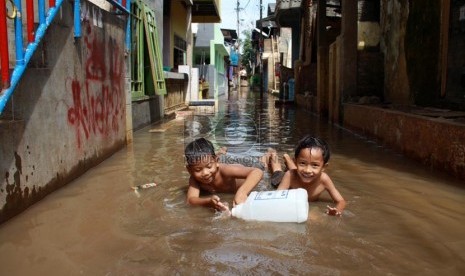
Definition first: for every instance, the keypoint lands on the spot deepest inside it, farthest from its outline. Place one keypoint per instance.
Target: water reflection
(401, 218)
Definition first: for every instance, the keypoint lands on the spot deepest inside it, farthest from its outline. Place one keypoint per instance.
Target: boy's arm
(289, 162)
(251, 176)
(193, 194)
(335, 195)
(285, 182)
(194, 199)
(291, 167)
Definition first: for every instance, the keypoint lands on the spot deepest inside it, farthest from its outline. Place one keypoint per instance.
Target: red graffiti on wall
(95, 65)
(98, 107)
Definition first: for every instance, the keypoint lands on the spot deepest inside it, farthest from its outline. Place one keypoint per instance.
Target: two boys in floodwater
(306, 170)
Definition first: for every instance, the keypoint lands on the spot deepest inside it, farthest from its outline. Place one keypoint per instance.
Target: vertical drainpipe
(129, 126)
(19, 35)
(41, 12)
(5, 62)
(77, 18)
(128, 26)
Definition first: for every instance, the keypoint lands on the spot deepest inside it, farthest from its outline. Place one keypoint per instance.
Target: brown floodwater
(401, 218)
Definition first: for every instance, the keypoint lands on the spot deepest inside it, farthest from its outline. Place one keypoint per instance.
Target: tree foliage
(248, 52)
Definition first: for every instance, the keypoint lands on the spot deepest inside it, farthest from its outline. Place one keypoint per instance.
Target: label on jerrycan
(267, 195)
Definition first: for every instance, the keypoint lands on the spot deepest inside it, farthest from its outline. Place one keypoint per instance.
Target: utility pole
(238, 78)
(238, 20)
(261, 46)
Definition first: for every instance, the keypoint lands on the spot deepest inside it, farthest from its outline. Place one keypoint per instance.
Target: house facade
(74, 96)
(209, 57)
(390, 70)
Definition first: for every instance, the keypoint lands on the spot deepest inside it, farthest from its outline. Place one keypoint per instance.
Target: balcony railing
(45, 13)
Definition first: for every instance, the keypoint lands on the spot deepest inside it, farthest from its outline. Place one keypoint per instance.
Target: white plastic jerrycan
(275, 206)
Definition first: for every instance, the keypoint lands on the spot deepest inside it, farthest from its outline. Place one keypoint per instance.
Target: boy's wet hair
(198, 150)
(311, 142)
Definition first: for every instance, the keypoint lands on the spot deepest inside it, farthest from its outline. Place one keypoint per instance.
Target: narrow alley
(99, 97)
(97, 225)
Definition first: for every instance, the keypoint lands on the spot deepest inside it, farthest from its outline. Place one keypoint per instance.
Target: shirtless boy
(208, 175)
(307, 171)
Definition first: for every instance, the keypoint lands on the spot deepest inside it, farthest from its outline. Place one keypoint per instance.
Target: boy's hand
(239, 198)
(333, 211)
(217, 204)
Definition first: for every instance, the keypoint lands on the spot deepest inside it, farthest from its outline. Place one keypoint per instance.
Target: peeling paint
(18, 200)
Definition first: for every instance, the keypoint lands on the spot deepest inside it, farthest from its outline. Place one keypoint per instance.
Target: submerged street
(401, 218)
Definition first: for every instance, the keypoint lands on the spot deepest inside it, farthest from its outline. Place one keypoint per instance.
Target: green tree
(248, 52)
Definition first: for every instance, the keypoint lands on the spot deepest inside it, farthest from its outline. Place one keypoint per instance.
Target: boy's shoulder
(325, 177)
(325, 180)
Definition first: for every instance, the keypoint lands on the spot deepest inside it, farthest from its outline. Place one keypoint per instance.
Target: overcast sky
(248, 14)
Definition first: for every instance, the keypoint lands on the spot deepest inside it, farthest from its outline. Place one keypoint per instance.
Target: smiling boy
(307, 171)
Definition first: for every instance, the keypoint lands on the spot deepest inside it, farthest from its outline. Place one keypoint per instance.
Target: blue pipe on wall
(19, 35)
(19, 69)
(128, 27)
(44, 23)
(41, 8)
(77, 18)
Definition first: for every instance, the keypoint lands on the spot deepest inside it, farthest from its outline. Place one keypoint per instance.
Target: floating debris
(157, 130)
(144, 186)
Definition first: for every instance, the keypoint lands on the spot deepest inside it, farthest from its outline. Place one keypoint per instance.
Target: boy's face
(310, 164)
(204, 170)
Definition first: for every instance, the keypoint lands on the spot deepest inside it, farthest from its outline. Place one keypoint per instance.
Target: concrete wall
(394, 15)
(222, 84)
(147, 111)
(67, 116)
(410, 42)
(435, 142)
(157, 7)
(179, 25)
(285, 40)
(192, 86)
(210, 42)
(205, 33)
(211, 78)
(456, 55)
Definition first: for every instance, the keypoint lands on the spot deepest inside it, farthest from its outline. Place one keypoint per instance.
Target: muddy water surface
(401, 218)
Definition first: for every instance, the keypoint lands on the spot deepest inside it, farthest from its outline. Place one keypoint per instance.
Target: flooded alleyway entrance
(400, 219)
